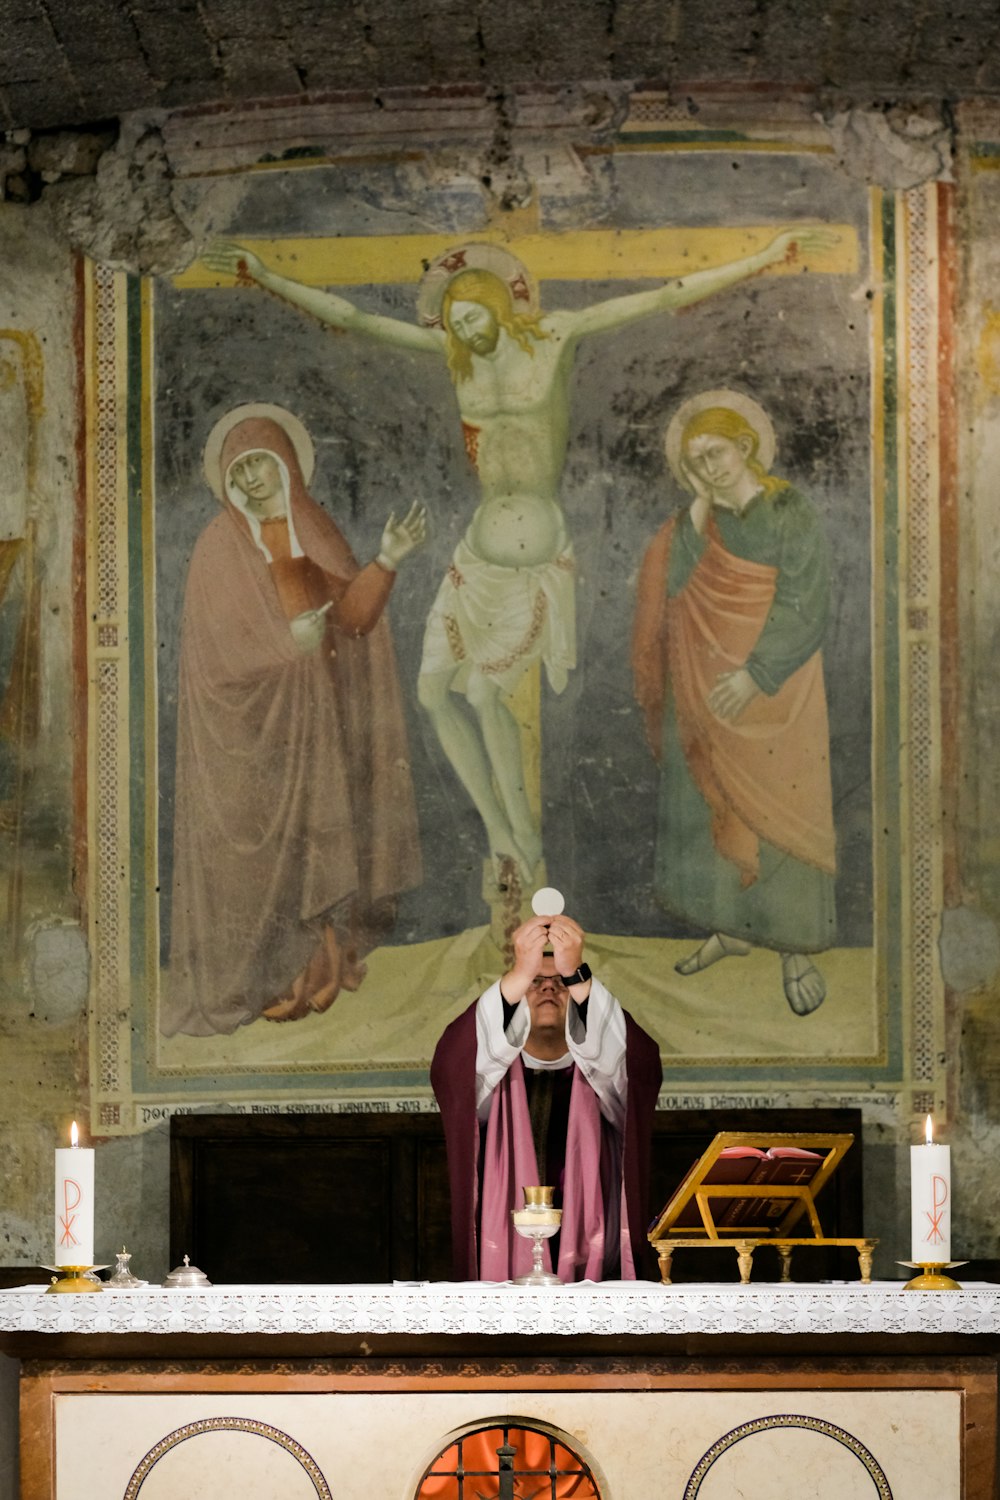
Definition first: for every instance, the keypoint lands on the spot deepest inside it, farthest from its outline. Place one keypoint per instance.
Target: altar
(407, 1392)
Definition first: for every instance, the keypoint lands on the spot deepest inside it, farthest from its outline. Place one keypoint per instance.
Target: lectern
(753, 1188)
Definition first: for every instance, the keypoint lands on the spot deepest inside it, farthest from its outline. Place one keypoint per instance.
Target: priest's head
(548, 999)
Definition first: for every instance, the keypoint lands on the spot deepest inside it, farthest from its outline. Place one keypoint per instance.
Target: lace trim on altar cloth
(442, 1307)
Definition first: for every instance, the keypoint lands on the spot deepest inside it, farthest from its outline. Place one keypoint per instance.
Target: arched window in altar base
(512, 1460)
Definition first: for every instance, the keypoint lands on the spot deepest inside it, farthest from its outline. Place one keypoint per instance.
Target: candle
(930, 1201)
(74, 1204)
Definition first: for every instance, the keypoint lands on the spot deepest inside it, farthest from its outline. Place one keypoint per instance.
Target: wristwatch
(582, 974)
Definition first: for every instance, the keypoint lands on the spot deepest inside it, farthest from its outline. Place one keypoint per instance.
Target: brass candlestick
(537, 1221)
(75, 1279)
(933, 1277)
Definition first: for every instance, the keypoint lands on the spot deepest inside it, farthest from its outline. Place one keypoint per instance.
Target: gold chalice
(537, 1221)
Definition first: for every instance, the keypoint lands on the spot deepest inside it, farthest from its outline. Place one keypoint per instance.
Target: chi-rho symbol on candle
(74, 1203)
(930, 1201)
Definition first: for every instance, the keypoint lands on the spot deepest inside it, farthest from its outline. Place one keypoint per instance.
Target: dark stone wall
(72, 61)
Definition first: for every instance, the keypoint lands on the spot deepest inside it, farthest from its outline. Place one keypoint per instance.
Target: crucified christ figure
(507, 599)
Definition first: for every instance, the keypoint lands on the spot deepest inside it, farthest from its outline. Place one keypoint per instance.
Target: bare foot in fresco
(323, 973)
(290, 1008)
(712, 949)
(318, 985)
(805, 987)
(322, 1000)
(353, 973)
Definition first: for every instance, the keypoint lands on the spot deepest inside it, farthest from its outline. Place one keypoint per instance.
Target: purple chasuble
(605, 1185)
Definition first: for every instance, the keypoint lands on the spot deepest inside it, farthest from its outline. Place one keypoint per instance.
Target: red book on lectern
(733, 1164)
(782, 1164)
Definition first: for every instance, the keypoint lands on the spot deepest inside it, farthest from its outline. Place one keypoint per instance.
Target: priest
(546, 1080)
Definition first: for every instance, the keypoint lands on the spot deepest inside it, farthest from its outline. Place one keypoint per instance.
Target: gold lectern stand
(761, 1212)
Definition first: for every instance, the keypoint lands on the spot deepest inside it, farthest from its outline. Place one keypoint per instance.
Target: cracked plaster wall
(43, 988)
(114, 195)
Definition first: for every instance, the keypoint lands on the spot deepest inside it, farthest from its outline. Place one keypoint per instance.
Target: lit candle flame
(929, 1132)
(74, 1135)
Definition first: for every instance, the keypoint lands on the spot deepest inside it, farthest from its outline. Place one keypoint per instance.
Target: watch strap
(583, 973)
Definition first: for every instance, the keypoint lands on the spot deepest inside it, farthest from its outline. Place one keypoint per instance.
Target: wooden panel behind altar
(364, 1198)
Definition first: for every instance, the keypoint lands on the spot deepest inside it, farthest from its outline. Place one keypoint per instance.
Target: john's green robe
(788, 902)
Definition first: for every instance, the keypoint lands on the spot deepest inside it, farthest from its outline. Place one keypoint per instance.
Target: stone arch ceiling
(70, 62)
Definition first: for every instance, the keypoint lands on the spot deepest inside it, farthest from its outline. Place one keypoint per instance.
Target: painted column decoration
(74, 1203)
(930, 1201)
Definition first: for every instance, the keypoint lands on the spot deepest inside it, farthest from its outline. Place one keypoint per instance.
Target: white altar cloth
(611, 1308)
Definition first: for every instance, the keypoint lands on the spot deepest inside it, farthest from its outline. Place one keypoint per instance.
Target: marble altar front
(693, 1392)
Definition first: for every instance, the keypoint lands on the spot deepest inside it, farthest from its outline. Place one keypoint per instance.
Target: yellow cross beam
(580, 255)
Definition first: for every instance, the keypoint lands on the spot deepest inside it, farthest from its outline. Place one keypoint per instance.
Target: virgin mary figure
(295, 824)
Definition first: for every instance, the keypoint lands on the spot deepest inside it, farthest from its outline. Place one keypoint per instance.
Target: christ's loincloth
(498, 620)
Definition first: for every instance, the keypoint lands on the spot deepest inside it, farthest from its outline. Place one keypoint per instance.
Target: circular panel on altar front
(228, 1456)
(775, 1457)
(543, 1462)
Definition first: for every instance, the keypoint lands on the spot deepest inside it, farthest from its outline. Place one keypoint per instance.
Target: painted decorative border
(771, 1424)
(108, 760)
(228, 1424)
(919, 627)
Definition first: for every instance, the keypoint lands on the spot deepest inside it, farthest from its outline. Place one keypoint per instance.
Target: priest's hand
(530, 941)
(567, 939)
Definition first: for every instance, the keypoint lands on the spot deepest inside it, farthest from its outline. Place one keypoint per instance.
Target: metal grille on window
(504, 1462)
